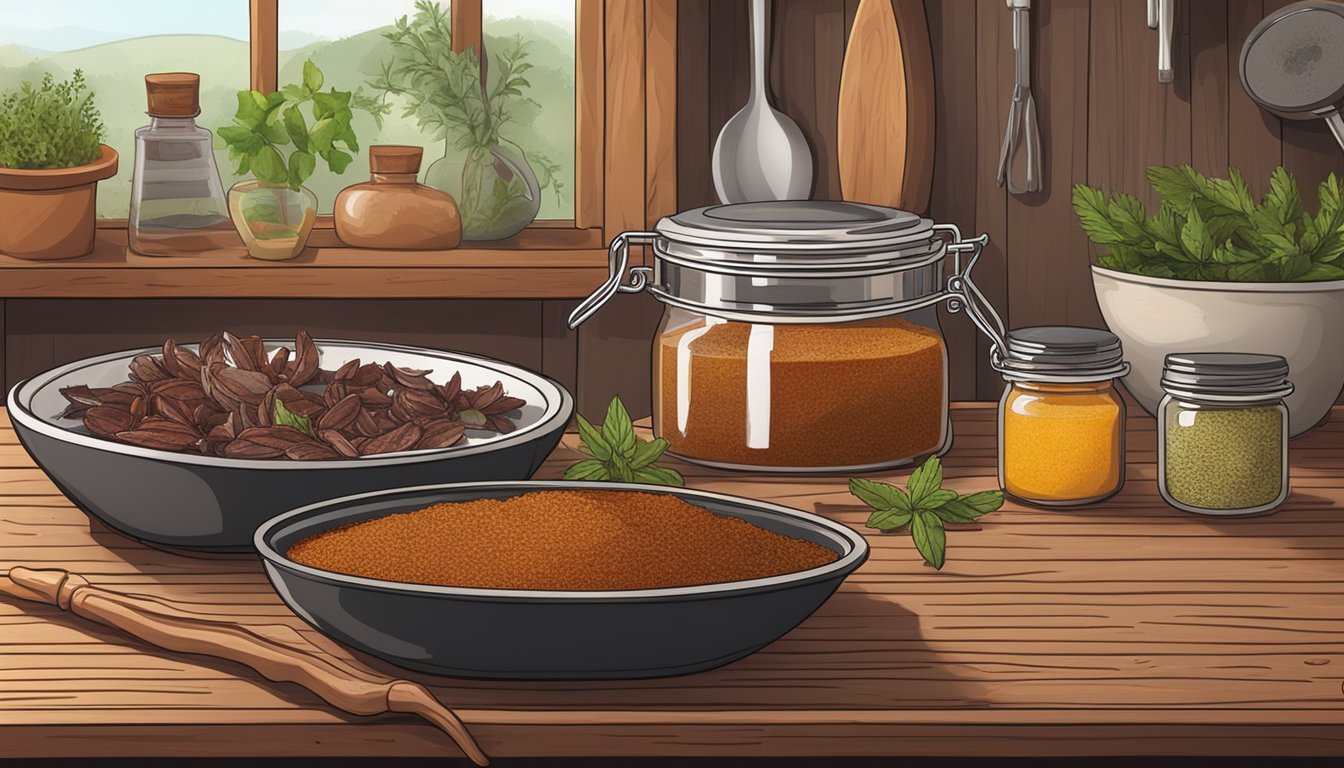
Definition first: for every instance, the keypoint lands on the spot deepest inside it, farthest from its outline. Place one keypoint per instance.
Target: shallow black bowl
(211, 503)
(534, 634)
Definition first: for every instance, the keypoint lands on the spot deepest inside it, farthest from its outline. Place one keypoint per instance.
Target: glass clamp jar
(1061, 420)
(800, 336)
(1222, 445)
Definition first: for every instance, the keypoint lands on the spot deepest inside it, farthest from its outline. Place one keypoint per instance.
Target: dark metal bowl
(536, 634)
(211, 503)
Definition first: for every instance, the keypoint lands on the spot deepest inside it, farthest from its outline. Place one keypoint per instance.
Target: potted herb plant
(463, 103)
(271, 139)
(1213, 270)
(51, 160)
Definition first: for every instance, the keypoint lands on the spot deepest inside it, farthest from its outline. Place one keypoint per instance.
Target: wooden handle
(345, 686)
(885, 123)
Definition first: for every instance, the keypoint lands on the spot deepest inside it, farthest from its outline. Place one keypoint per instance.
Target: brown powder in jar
(560, 540)
(841, 395)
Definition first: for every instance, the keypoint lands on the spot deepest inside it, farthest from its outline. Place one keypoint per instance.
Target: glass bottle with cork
(177, 201)
(1061, 420)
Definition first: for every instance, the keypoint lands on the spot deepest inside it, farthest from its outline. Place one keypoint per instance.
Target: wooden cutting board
(886, 112)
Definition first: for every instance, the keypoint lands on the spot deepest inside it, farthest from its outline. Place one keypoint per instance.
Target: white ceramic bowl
(1303, 322)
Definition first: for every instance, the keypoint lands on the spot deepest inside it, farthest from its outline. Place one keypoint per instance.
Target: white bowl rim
(858, 546)
(1317, 286)
(559, 408)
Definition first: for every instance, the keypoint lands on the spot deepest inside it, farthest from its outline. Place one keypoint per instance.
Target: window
(60, 36)
(592, 64)
(345, 38)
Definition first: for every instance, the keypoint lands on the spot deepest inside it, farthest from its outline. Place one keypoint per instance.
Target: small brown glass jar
(392, 211)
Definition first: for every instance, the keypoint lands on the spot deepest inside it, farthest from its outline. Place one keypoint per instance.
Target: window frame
(625, 117)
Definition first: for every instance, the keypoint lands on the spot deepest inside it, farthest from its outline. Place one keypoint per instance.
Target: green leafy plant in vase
(457, 98)
(271, 139)
(51, 160)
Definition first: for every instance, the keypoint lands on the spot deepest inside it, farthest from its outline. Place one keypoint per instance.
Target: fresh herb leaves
(1212, 229)
(266, 123)
(49, 125)
(618, 454)
(287, 418)
(924, 506)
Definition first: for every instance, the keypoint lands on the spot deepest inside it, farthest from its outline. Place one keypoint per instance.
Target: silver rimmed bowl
(540, 634)
(211, 503)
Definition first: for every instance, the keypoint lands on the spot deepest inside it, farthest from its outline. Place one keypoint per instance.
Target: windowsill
(540, 262)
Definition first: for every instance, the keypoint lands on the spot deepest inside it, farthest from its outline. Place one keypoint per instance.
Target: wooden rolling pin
(275, 652)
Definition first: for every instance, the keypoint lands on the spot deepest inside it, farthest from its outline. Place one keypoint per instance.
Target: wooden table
(1121, 628)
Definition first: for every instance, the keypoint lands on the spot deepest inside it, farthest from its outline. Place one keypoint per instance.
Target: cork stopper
(173, 94)
(394, 158)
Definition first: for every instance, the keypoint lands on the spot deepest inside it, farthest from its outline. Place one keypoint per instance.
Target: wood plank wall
(1103, 118)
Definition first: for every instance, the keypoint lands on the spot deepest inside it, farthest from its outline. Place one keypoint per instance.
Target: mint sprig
(618, 454)
(924, 506)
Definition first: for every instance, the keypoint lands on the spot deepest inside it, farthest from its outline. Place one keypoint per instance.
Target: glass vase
(273, 219)
(495, 188)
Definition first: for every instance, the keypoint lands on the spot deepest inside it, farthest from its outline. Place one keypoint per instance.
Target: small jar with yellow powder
(1061, 420)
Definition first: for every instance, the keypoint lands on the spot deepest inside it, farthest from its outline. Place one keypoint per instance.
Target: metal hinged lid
(812, 232)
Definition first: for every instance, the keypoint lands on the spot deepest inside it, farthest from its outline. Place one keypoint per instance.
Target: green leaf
(620, 469)
(301, 166)
(322, 134)
(1195, 241)
(337, 160)
(983, 502)
(888, 519)
(241, 139)
(1323, 272)
(957, 511)
(618, 430)
(312, 76)
(878, 495)
(647, 452)
(295, 94)
(251, 109)
(925, 480)
(269, 167)
(592, 439)
(659, 476)
(296, 128)
(1179, 185)
(287, 418)
(937, 499)
(1094, 216)
(588, 469)
(926, 529)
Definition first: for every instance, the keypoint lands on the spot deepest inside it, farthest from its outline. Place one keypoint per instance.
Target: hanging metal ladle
(1293, 63)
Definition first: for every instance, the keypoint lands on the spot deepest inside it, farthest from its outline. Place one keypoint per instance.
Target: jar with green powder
(1223, 433)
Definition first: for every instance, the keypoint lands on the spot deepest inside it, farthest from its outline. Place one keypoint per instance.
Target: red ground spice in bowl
(580, 540)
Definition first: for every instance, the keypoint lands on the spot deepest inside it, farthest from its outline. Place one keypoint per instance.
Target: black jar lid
(1061, 353)
(1225, 373)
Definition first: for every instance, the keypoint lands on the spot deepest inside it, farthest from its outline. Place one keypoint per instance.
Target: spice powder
(1062, 443)
(801, 395)
(560, 540)
(1224, 458)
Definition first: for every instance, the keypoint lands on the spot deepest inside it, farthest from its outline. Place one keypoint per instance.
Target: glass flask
(177, 200)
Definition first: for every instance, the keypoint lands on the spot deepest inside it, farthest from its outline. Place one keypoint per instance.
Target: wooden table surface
(1122, 628)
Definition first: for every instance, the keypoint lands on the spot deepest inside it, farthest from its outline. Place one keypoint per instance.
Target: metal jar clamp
(856, 290)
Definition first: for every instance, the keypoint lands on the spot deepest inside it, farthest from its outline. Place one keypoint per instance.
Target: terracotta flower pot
(49, 214)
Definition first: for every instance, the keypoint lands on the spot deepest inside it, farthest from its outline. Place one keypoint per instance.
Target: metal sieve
(1293, 63)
